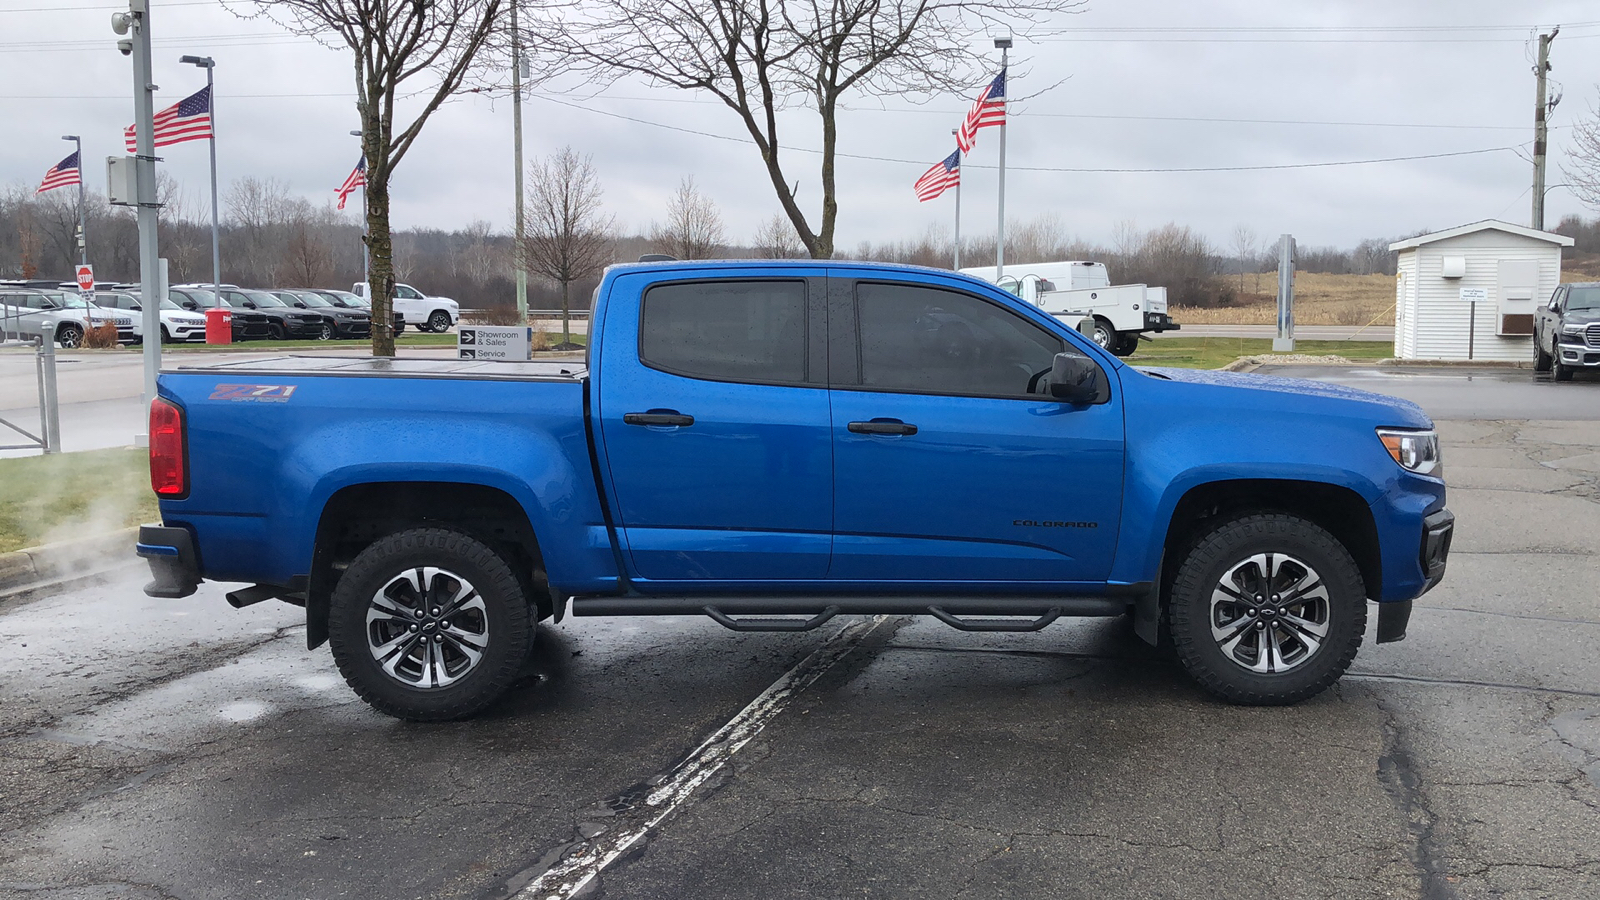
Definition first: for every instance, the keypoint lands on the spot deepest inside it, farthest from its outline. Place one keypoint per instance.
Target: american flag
(358, 178)
(945, 174)
(63, 174)
(989, 109)
(187, 120)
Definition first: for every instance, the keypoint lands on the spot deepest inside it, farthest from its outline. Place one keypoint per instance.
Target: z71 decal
(259, 393)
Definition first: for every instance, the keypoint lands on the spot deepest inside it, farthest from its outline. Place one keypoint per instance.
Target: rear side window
(753, 331)
(941, 342)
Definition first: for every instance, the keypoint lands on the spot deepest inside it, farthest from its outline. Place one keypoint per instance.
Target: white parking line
(567, 877)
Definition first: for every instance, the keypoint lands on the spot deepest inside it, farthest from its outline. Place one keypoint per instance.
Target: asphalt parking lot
(154, 749)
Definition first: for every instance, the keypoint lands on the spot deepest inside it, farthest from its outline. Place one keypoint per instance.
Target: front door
(713, 409)
(949, 466)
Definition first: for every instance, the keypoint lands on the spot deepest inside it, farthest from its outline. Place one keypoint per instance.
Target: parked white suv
(177, 323)
(422, 312)
(23, 313)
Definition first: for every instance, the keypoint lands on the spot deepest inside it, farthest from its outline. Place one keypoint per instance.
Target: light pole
(517, 64)
(207, 63)
(366, 252)
(83, 231)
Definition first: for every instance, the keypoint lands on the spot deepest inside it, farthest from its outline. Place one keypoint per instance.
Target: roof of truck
(621, 268)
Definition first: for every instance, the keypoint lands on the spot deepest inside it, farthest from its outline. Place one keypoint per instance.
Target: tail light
(169, 459)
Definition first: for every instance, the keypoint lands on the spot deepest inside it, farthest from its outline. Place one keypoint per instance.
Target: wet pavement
(184, 749)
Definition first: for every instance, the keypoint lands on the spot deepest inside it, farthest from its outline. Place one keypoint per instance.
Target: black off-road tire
(1209, 558)
(510, 626)
(1126, 344)
(439, 322)
(1541, 359)
(1558, 371)
(277, 332)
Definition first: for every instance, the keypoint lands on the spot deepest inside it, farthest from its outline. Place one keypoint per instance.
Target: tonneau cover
(408, 367)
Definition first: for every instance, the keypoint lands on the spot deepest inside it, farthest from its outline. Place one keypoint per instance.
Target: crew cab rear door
(947, 468)
(712, 404)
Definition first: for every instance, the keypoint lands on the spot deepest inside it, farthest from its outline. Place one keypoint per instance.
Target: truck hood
(1299, 392)
(1580, 317)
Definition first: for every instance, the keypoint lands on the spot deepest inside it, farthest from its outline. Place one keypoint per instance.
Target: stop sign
(86, 278)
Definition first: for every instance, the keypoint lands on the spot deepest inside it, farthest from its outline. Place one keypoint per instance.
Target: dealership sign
(494, 342)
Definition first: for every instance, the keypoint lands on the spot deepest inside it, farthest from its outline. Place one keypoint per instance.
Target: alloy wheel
(1269, 613)
(427, 628)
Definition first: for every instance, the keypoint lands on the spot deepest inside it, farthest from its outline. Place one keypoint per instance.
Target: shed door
(1519, 281)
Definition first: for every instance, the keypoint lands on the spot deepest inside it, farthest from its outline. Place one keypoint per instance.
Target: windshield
(204, 299)
(263, 299)
(311, 299)
(1586, 298)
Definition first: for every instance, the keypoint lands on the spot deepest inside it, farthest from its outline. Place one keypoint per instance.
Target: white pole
(958, 204)
(83, 221)
(1000, 241)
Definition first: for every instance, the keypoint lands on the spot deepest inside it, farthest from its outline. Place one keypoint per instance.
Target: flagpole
(1000, 242)
(957, 132)
(83, 227)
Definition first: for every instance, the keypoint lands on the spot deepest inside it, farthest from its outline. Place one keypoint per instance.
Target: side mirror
(1078, 380)
(250, 304)
(190, 304)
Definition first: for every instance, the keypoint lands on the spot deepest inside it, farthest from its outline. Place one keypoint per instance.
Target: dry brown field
(1319, 299)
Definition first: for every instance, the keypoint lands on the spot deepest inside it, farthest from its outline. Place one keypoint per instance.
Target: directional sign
(1474, 295)
(494, 342)
(86, 278)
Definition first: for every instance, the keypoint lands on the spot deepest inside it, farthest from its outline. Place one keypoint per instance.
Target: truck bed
(384, 367)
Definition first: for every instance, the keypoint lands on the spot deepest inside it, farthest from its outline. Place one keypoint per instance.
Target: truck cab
(1566, 331)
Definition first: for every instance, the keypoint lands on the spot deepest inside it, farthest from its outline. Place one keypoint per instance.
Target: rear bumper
(1158, 322)
(173, 564)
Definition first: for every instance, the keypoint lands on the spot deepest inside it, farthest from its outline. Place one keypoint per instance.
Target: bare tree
(693, 227)
(1582, 167)
(394, 41)
(775, 239)
(760, 56)
(567, 237)
(1244, 249)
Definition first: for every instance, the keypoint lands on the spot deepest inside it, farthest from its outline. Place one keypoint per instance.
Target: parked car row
(25, 312)
(425, 313)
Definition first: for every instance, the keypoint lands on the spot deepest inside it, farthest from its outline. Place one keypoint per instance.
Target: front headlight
(1572, 328)
(1415, 451)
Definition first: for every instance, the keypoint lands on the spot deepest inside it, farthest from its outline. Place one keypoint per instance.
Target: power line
(1064, 169)
(104, 7)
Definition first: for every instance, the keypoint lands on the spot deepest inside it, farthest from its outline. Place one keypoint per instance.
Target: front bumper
(350, 328)
(1581, 355)
(1158, 322)
(173, 563)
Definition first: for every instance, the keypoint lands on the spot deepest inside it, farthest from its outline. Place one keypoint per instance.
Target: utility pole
(1541, 126)
(83, 226)
(516, 142)
(207, 63)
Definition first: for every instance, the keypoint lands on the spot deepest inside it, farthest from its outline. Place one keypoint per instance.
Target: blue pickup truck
(771, 444)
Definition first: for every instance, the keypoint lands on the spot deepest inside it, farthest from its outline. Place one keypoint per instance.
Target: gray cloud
(461, 170)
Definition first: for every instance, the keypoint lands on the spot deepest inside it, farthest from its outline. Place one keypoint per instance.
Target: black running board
(967, 613)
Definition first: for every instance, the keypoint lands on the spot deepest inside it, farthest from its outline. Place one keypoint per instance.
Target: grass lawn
(70, 495)
(1216, 352)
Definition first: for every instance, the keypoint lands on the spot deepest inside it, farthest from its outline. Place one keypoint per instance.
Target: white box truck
(1074, 289)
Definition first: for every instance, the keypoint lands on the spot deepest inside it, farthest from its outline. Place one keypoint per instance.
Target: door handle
(881, 426)
(658, 417)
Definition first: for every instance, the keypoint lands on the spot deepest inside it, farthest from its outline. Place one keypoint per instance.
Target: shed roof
(1559, 240)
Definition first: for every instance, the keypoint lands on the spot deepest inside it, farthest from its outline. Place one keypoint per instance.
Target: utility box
(122, 183)
(1469, 292)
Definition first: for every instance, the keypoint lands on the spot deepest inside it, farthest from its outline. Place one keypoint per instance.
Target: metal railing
(44, 365)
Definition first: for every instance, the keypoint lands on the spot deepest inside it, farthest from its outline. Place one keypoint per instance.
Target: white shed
(1508, 268)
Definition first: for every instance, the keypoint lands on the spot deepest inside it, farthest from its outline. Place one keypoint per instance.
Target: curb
(65, 560)
(1459, 363)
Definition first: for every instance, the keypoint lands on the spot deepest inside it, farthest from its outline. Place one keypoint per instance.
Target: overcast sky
(1145, 84)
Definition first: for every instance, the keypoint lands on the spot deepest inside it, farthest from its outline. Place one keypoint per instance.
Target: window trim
(853, 301)
(807, 302)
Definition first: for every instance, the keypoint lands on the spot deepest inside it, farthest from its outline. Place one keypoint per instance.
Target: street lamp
(207, 63)
(1003, 44)
(83, 234)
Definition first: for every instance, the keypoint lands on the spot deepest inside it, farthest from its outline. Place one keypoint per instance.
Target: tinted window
(729, 331)
(1586, 298)
(930, 340)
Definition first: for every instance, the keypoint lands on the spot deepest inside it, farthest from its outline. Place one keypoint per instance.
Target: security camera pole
(138, 19)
